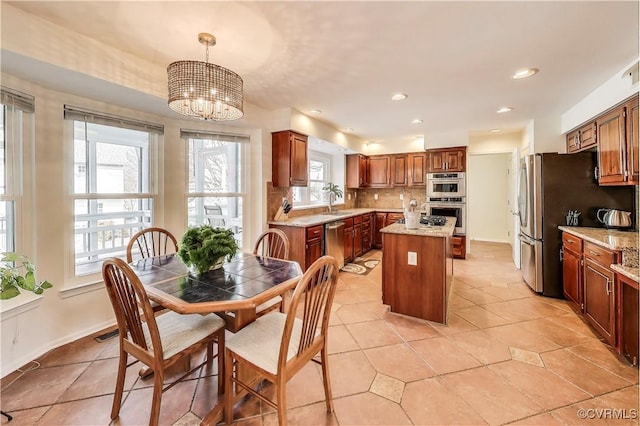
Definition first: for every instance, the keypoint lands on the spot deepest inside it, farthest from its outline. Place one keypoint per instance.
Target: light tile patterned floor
(506, 356)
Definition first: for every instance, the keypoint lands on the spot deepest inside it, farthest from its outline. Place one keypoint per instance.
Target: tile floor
(507, 356)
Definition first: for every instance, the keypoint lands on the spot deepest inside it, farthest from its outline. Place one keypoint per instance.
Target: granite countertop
(322, 218)
(423, 230)
(624, 241)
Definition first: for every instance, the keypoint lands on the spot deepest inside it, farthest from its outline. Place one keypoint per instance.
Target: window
(112, 193)
(319, 168)
(15, 116)
(216, 182)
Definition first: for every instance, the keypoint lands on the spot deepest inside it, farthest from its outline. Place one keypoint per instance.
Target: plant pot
(217, 264)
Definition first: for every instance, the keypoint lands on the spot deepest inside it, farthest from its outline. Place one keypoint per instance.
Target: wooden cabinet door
(632, 142)
(572, 277)
(417, 169)
(437, 161)
(588, 136)
(357, 171)
(599, 300)
(314, 251)
(393, 218)
(379, 171)
(399, 168)
(299, 168)
(357, 239)
(611, 143)
(455, 161)
(628, 321)
(348, 244)
(573, 142)
(379, 223)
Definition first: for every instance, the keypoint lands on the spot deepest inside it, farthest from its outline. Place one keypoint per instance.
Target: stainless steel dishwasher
(334, 240)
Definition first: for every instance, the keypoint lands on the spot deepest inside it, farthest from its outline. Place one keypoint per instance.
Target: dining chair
(277, 345)
(158, 342)
(272, 243)
(214, 216)
(150, 242)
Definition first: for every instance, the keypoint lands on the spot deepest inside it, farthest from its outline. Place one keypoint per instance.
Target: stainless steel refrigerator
(550, 185)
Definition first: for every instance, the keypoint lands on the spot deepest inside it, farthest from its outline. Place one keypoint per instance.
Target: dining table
(233, 291)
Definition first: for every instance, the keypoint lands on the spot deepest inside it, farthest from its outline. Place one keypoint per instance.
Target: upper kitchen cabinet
(617, 135)
(582, 139)
(357, 168)
(289, 159)
(417, 169)
(379, 171)
(399, 169)
(447, 159)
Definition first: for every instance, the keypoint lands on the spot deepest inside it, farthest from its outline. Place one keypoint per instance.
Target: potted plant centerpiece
(17, 272)
(205, 247)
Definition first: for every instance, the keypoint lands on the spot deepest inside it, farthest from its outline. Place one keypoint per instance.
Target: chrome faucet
(331, 195)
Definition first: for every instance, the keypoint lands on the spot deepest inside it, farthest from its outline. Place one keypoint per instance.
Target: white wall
(487, 195)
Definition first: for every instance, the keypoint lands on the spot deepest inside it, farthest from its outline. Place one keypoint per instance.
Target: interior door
(514, 222)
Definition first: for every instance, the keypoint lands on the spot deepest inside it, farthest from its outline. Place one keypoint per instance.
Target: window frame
(304, 192)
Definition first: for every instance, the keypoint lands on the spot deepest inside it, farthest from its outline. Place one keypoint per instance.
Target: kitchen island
(417, 270)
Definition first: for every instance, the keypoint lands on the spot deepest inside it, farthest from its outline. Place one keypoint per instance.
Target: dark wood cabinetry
(289, 159)
(447, 159)
(307, 244)
(348, 240)
(572, 270)
(611, 137)
(357, 171)
(633, 134)
(459, 246)
(599, 290)
(367, 232)
(417, 169)
(399, 169)
(379, 173)
(628, 333)
(582, 139)
(380, 221)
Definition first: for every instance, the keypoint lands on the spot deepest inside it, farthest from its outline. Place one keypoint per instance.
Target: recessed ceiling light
(399, 96)
(416, 121)
(504, 109)
(494, 130)
(524, 73)
(315, 111)
(349, 129)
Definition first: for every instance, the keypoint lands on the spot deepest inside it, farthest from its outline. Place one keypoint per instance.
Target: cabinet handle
(608, 287)
(561, 255)
(596, 172)
(569, 240)
(595, 253)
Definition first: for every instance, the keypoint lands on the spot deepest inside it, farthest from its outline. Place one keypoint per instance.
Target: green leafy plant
(17, 272)
(334, 189)
(204, 246)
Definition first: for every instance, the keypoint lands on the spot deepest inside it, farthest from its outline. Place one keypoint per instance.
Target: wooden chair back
(315, 292)
(150, 242)
(273, 243)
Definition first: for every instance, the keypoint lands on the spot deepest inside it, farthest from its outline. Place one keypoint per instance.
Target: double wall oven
(446, 196)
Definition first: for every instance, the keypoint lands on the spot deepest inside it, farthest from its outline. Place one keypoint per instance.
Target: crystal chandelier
(204, 90)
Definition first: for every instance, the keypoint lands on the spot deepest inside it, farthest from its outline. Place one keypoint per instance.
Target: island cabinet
(417, 271)
(289, 159)
(628, 296)
(447, 159)
(459, 245)
(306, 243)
(572, 270)
(599, 290)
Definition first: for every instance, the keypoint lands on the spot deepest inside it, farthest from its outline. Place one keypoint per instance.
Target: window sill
(314, 206)
(81, 289)
(18, 305)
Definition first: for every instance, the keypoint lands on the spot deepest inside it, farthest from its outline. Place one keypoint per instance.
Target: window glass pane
(316, 193)
(103, 229)
(3, 151)
(214, 166)
(109, 159)
(316, 170)
(7, 226)
(224, 212)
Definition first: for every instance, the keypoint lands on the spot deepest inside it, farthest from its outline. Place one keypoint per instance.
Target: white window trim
(329, 160)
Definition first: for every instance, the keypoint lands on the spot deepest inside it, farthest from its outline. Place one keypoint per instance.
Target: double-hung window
(216, 185)
(16, 120)
(319, 172)
(112, 192)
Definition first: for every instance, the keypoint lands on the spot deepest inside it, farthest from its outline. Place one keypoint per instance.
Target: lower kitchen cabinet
(348, 240)
(306, 243)
(572, 270)
(357, 236)
(459, 243)
(628, 295)
(380, 221)
(599, 290)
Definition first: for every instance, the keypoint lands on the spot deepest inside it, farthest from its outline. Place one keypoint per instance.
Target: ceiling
(453, 59)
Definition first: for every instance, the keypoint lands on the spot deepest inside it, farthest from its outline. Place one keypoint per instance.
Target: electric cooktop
(430, 220)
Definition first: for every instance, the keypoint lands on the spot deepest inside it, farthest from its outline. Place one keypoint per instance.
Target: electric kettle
(614, 218)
